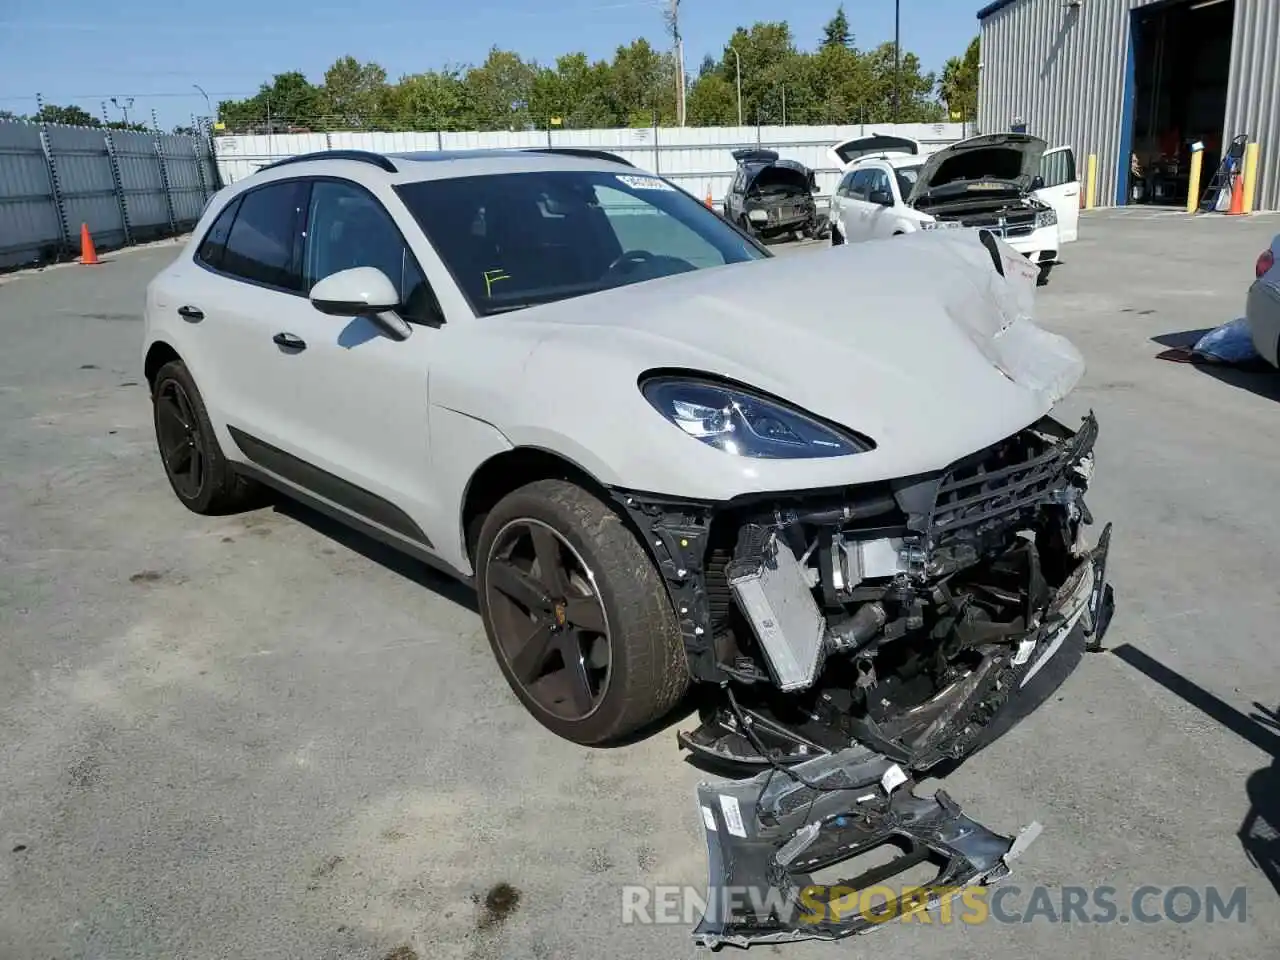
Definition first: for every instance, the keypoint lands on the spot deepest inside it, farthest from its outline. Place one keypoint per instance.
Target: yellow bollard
(1193, 184)
(1250, 176)
(1091, 183)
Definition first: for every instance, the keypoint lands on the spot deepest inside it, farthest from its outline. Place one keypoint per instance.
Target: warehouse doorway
(1181, 64)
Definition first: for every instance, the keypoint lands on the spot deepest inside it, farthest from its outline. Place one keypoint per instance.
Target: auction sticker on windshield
(644, 183)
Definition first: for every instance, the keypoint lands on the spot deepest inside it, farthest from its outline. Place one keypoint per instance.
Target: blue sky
(155, 50)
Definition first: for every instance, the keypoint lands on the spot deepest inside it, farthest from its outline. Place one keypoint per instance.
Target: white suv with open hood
(1007, 183)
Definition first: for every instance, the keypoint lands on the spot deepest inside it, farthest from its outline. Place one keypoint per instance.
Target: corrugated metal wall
(125, 185)
(696, 158)
(1253, 95)
(1062, 70)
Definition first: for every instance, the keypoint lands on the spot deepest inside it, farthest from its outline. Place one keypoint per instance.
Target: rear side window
(262, 246)
(215, 240)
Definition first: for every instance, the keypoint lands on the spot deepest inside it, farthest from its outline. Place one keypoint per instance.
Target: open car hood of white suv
(1008, 158)
(917, 342)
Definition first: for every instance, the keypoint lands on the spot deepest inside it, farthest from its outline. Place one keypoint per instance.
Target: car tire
(837, 238)
(200, 476)
(1043, 277)
(601, 656)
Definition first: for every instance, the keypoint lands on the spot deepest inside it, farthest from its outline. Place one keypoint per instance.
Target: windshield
(907, 177)
(517, 240)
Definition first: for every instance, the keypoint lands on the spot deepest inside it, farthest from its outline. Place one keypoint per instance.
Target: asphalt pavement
(261, 736)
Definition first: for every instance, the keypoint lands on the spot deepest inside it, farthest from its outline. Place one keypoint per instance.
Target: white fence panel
(699, 159)
(85, 183)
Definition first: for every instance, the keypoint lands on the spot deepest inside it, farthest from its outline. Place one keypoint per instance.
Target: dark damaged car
(771, 197)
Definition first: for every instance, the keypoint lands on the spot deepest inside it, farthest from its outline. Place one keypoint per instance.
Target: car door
(246, 274)
(858, 209)
(840, 196)
(353, 400)
(881, 216)
(1061, 190)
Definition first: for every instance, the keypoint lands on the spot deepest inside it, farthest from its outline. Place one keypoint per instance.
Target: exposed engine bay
(902, 617)
(1006, 214)
(860, 637)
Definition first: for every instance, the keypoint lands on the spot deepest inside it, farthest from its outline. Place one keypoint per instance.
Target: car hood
(998, 158)
(918, 342)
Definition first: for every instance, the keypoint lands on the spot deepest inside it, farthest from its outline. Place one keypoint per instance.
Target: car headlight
(1046, 218)
(746, 424)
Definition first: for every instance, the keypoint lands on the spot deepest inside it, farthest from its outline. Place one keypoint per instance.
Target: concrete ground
(263, 737)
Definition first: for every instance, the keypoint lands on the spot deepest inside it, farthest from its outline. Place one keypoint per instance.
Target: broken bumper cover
(768, 836)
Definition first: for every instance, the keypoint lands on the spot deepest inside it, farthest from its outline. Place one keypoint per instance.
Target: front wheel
(577, 614)
(1043, 277)
(198, 473)
(837, 238)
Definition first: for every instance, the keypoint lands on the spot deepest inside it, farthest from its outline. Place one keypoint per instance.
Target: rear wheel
(199, 474)
(577, 615)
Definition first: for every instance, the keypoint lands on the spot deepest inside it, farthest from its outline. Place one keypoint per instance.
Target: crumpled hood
(1010, 157)
(917, 342)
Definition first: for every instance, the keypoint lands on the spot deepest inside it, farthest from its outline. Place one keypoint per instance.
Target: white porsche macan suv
(828, 483)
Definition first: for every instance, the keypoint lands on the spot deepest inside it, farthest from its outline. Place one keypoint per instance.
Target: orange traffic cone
(710, 205)
(1237, 197)
(88, 255)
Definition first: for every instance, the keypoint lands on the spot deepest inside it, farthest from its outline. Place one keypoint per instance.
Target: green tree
(71, 116)
(500, 90)
(353, 94)
(915, 89)
(288, 100)
(578, 92)
(712, 102)
(644, 84)
(435, 100)
(958, 86)
(836, 32)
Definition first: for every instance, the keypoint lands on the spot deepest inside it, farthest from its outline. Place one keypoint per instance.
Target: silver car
(1263, 310)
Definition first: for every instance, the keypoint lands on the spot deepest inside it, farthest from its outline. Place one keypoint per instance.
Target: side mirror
(362, 292)
(882, 197)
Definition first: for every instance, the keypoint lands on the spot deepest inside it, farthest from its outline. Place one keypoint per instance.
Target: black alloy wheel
(550, 623)
(181, 441)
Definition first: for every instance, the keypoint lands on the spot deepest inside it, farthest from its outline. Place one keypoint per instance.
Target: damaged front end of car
(896, 626)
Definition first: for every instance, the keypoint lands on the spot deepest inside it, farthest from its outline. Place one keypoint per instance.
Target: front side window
(907, 178)
(859, 186)
(878, 189)
(348, 227)
(262, 245)
(517, 240)
(215, 241)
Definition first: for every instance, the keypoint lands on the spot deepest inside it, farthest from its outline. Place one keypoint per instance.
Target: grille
(994, 486)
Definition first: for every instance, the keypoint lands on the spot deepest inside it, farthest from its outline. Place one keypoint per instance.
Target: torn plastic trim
(767, 836)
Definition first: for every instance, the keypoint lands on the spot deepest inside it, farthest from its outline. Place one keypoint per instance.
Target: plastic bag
(1229, 343)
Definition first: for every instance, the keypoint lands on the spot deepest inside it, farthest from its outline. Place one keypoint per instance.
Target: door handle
(191, 313)
(289, 341)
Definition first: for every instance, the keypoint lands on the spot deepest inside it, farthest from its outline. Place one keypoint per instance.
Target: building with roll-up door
(1135, 83)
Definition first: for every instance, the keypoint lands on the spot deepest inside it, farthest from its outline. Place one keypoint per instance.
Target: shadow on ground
(1256, 376)
(1259, 834)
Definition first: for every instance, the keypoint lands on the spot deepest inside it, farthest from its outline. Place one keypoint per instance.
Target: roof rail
(581, 152)
(362, 156)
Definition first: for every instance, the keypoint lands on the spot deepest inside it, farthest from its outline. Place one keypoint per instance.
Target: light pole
(207, 104)
(738, 65)
(897, 59)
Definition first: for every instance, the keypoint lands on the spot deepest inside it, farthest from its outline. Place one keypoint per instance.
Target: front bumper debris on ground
(768, 837)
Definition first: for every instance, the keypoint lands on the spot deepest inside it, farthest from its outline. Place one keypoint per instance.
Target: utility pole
(123, 108)
(897, 60)
(673, 23)
(737, 61)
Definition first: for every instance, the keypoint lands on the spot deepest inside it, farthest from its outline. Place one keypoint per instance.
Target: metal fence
(696, 158)
(126, 186)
